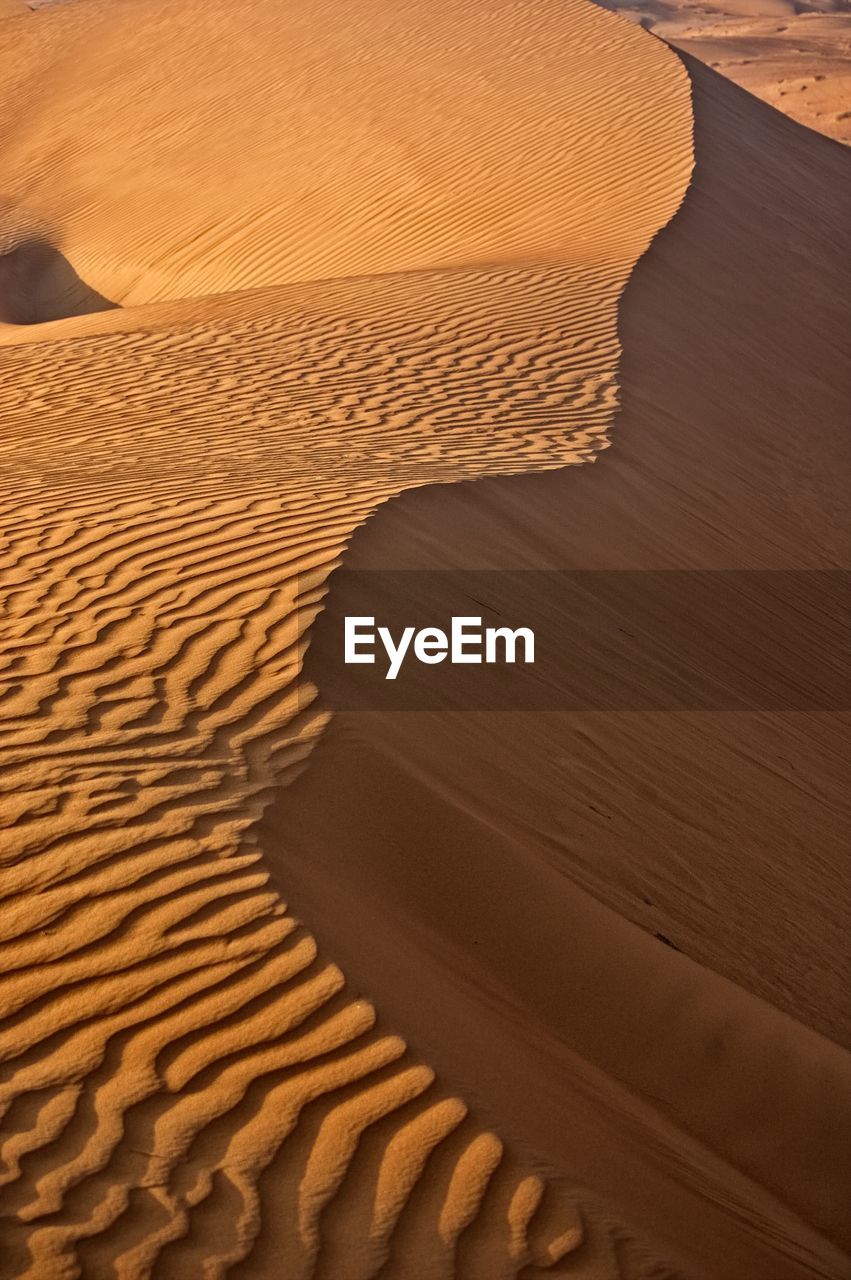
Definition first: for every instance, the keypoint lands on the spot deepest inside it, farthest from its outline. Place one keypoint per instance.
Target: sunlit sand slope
(166, 1024)
(188, 1087)
(202, 147)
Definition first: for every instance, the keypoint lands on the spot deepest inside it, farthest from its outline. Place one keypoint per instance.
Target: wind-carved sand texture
(265, 266)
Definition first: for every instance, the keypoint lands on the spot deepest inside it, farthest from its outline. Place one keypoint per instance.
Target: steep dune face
(527, 860)
(188, 1086)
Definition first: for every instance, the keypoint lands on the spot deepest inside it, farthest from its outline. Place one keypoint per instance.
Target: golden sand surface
(263, 269)
(348, 257)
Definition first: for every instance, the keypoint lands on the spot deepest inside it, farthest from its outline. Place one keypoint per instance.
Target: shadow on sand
(38, 283)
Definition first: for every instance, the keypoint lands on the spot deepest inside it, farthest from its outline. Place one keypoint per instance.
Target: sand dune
(189, 1087)
(528, 860)
(257, 145)
(262, 270)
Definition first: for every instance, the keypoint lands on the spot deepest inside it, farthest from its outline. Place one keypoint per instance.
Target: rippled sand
(262, 269)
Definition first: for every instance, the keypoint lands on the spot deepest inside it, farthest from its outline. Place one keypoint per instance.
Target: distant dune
(794, 54)
(264, 268)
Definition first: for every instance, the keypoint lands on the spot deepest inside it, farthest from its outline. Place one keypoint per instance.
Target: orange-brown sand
(536, 864)
(262, 269)
(794, 54)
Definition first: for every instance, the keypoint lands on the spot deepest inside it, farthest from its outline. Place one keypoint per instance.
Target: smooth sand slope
(218, 147)
(188, 1087)
(515, 867)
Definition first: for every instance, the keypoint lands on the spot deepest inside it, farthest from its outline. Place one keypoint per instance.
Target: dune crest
(320, 146)
(643, 912)
(188, 1087)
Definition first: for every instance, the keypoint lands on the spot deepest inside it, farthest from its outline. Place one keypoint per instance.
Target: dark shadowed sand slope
(495, 880)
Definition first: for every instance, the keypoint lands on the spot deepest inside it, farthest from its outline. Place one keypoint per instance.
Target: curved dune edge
(503, 860)
(187, 1085)
(371, 145)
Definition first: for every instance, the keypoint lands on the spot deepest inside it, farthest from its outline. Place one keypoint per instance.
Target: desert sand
(794, 54)
(293, 994)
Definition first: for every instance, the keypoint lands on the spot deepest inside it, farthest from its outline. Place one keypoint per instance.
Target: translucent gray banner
(602, 641)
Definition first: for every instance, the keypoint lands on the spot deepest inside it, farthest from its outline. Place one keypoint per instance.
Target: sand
(795, 56)
(723, 833)
(263, 271)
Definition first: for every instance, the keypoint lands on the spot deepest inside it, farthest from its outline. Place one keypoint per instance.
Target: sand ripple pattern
(178, 1062)
(187, 1087)
(235, 144)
